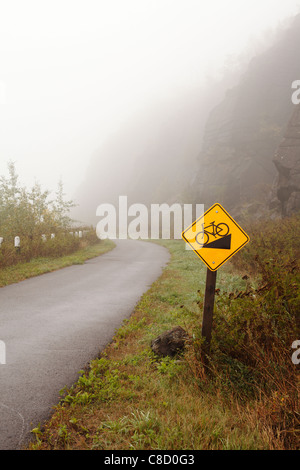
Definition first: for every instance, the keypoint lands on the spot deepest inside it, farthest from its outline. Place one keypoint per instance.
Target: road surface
(54, 324)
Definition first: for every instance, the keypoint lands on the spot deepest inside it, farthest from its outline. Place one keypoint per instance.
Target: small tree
(61, 208)
(30, 213)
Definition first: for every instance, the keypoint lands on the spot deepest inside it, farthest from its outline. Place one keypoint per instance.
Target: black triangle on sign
(223, 243)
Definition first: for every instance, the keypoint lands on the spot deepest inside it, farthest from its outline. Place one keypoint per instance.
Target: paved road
(54, 324)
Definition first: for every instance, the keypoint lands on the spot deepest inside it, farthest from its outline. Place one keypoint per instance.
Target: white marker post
(17, 244)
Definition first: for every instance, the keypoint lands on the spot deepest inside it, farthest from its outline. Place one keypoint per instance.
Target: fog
(77, 77)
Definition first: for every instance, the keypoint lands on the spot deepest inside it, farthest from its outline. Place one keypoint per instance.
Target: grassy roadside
(37, 266)
(130, 399)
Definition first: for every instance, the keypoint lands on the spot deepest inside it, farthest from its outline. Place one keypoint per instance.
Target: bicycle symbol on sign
(219, 230)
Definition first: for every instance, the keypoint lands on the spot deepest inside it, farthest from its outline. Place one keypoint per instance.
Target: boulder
(170, 342)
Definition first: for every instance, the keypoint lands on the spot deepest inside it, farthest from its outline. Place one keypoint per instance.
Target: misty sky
(72, 72)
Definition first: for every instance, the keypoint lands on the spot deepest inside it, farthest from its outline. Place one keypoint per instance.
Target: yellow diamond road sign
(215, 237)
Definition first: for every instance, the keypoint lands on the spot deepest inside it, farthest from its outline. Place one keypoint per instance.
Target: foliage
(255, 328)
(32, 216)
(41, 265)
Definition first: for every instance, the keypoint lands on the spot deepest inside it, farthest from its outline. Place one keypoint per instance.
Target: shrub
(255, 328)
(30, 214)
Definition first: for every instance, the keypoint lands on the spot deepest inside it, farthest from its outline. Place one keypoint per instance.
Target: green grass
(131, 399)
(247, 396)
(37, 266)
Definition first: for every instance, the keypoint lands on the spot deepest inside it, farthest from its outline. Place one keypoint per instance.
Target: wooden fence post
(209, 300)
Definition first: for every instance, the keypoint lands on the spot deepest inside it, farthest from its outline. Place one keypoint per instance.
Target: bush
(255, 328)
(30, 215)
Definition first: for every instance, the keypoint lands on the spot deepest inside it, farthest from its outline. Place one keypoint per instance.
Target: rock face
(235, 165)
(173, 153)
(170, 343)
(287, 162)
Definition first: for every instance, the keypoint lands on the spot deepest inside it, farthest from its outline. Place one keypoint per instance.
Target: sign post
(208, 310)
(215, 237)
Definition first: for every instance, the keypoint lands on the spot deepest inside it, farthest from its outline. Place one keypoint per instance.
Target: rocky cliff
(235, 165)
(286, 189)
(155, 157)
